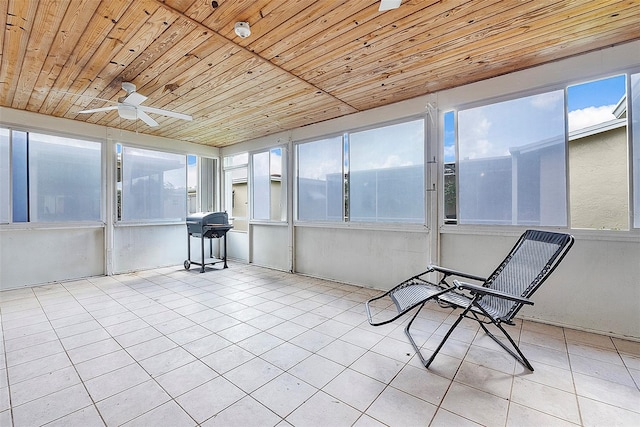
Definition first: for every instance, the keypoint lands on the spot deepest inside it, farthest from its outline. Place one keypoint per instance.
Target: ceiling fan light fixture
(242, 29)
(388, 5)
(128, 112)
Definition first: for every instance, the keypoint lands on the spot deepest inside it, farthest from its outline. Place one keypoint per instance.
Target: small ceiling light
(389, 4)
(242, 29)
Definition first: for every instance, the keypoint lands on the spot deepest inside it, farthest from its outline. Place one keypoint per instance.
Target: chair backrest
(533, 258)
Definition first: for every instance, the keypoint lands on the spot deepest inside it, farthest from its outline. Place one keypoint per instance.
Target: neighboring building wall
(276, 199)
(599, 181)
(240, 204)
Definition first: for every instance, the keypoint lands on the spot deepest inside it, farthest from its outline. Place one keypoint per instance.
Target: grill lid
(208, 218)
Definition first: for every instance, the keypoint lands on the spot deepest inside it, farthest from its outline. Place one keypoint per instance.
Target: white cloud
(449, 152)
(548, 101)
(580, 119)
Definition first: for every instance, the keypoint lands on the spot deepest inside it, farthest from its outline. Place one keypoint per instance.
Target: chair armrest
(475, 289)
(450, 272)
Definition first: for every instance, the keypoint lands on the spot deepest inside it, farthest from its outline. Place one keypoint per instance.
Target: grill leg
(225, 250)
(202, 254)
(188, 246)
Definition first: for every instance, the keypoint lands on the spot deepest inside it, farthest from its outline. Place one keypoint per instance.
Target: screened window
(321, 180)
(64, 179)
(450, 196)
(635, 135)
(19, 177)
(269, 191)
(192, 183)
(386, 174)
(48, 178)
(511, 163)
(154, 185)
(5, 177)
(598, 154)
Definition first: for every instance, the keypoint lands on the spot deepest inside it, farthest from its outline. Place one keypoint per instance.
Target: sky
(488, 131)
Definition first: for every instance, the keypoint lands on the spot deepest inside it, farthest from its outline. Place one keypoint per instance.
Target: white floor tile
(251, 346)
(322, 410)
(132, 403)
(284, 394)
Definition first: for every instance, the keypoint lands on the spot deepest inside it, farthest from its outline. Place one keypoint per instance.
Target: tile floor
(248, 346)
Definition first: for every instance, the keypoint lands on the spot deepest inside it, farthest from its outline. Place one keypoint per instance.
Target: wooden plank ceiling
(305, 61)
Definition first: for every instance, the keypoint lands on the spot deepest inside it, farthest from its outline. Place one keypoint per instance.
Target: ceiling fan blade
(146, 118)
(99, 110)
(389, 4)
(165, 112)
(94, 98)
(134, 98)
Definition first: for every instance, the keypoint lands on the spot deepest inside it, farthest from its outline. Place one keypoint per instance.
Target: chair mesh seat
(412, 294)
(415, 292)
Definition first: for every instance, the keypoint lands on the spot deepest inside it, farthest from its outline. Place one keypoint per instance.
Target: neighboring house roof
(621, 108)
(598, 128)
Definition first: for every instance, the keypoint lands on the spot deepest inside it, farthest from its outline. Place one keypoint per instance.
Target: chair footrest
(413, 293)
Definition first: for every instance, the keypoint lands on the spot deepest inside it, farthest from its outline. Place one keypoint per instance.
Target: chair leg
(406, 331)
(424, 361)
(446, 337)
(519, 356)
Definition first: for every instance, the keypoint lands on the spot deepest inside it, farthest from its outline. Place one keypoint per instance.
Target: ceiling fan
(129, 107)
(388, 5)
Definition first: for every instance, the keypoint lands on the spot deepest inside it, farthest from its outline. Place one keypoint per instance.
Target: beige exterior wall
(240, 206)
(599, 182)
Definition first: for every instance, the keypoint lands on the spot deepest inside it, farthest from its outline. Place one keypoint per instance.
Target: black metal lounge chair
(533, 258)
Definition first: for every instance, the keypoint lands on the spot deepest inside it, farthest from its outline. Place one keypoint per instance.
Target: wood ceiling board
(125, 42)
(512, 43)
(312, 111)
(349, 36)
(310, 21)
(250, 115)
(106, 83)
(250, 112)
(102, 22)
(330, 31)
(184, 55)
(273, 22)
(487, 69)
(233, 103)
(46, 22)
(69, 31)
(18, 26)
(195, 92)
(434, 52)
(384, 48)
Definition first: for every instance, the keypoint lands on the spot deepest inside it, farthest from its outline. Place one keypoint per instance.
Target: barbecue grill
(207, 225)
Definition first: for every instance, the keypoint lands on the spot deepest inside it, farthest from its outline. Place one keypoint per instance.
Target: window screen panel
(386, 174)
(153, 185)
(5, 177)
(635, 135)
(261, 180)
(321, 180)
(64, 179)
(512, 162)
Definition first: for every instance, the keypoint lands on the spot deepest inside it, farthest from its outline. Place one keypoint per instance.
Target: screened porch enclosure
(332, 213)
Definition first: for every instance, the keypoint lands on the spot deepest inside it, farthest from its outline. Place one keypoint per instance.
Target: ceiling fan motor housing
(128, 87)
